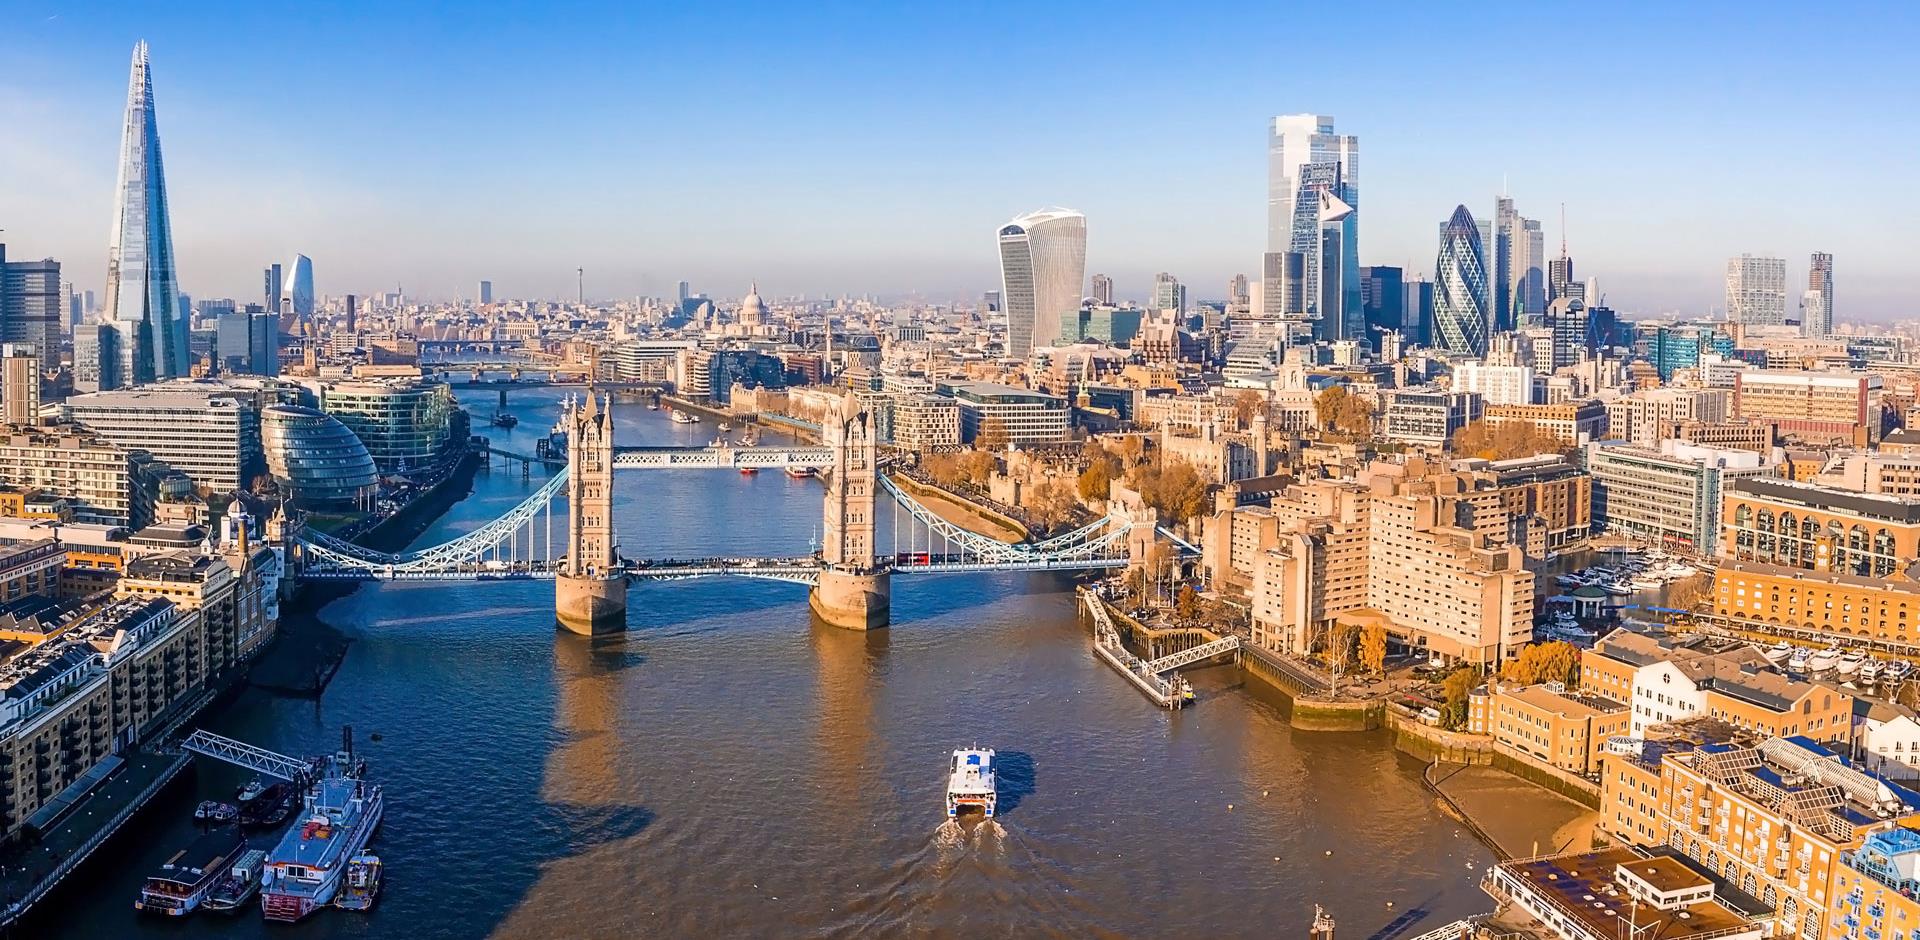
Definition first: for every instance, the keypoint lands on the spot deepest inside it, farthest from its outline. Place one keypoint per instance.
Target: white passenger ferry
(970, 782)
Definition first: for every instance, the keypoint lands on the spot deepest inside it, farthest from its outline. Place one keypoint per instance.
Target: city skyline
(376, 198)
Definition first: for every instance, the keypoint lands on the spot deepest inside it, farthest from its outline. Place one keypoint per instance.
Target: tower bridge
(849, 576)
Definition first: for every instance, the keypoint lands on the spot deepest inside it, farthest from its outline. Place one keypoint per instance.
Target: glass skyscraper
(143, 295)
(1307, 163)
(1461, 303)
(298, 299)
(1757, 290)
(1043, 266)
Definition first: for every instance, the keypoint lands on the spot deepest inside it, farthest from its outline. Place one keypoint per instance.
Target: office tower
(270, 285)
(990, 304)
(1383, 300)
(1238, 293)
(1418, 316)
(1567, 318)
(1306, 159)
(483, 295)
(96, 357)
(19, 384)
(1757, 291)
(1043, 264)
(1339, 306)
(1816, 305)
(298, 299)
(1460, 296)
(30, 303)
(1283, 283)
(1529, 273)
(1102, 290)
(351, 303)
(685, 291)
(143, 301)
(1560, 282)
(74, 309)
(1169, 293)
(1506, 223)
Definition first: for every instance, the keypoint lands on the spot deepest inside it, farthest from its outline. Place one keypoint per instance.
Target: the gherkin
(143, 291)
(1460, 301)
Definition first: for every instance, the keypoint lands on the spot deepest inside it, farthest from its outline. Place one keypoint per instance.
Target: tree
(1373, 648)
(1508, 440)
(1247, 404)
(1458, 685)
(1689, 592)
(1096, 482)
(1187, 605)
(1343, 412)
(1173, 487)
(1052, 503)
(992, 435)
(943, 468)
(976, 467)
(1544, 662)
(1342, 638)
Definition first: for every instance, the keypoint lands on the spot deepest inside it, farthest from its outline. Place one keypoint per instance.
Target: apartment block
(1574, 422)
(1566, 729)
(1643, 417)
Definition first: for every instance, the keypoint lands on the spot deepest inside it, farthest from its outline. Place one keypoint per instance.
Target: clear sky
(841, 148)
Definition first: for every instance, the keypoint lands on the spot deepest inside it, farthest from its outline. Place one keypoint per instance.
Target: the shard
(143, 294)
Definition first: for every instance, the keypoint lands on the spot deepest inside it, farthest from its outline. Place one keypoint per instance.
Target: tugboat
(503, 420)
(363, 883)
(183, 881)
(970, 782)
(239, 884)
(338, 815)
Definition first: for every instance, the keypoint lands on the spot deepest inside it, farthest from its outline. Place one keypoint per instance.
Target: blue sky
(848, 149)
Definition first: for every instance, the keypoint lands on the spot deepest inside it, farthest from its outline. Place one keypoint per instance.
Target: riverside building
(209, 431)
(1669, 495)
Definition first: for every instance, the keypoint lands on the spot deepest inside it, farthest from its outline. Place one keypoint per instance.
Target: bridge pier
(590, 605)
(853, 600)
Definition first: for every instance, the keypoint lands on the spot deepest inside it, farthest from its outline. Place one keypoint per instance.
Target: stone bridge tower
(590, 589)
(855, 590)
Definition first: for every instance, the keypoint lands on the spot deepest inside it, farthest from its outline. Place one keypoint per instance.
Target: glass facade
(315, 457)
(143, 296)
(1460, 299)
(1307, 161)
(402, 424)
(1043, 266)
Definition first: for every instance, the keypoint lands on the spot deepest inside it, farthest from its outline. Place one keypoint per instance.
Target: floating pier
(1155, 678)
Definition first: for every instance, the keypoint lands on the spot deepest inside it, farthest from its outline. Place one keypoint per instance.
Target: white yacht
(1871, 669)
(1824, 660)
(1898, 669)
(970, 782)
(1850, 663)
(1778, 652)
(1799, 659)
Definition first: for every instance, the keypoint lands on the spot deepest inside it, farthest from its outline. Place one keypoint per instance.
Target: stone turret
(590, 589)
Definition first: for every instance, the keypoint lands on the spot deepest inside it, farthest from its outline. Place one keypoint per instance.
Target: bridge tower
(590, 590)
(854, 590)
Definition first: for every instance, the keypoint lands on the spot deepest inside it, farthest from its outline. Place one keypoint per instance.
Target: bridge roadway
(721, 457)
(803, 569)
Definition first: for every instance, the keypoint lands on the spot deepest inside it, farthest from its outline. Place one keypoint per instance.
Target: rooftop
(1583, 888)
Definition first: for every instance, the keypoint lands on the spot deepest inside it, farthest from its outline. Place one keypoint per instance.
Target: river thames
(727, 769)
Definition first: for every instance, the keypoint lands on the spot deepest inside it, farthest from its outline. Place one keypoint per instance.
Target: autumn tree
(1096, 482)
(992, 435)
(1052, 503)
(1373, 648)
(1186, 606)
(1544, 662)
(1687, 593)
(1342, 639)
(1173, 487)
(1247, 404)
(1505, 441)
(1455, 690)
(1343, 412)
(976, 467)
